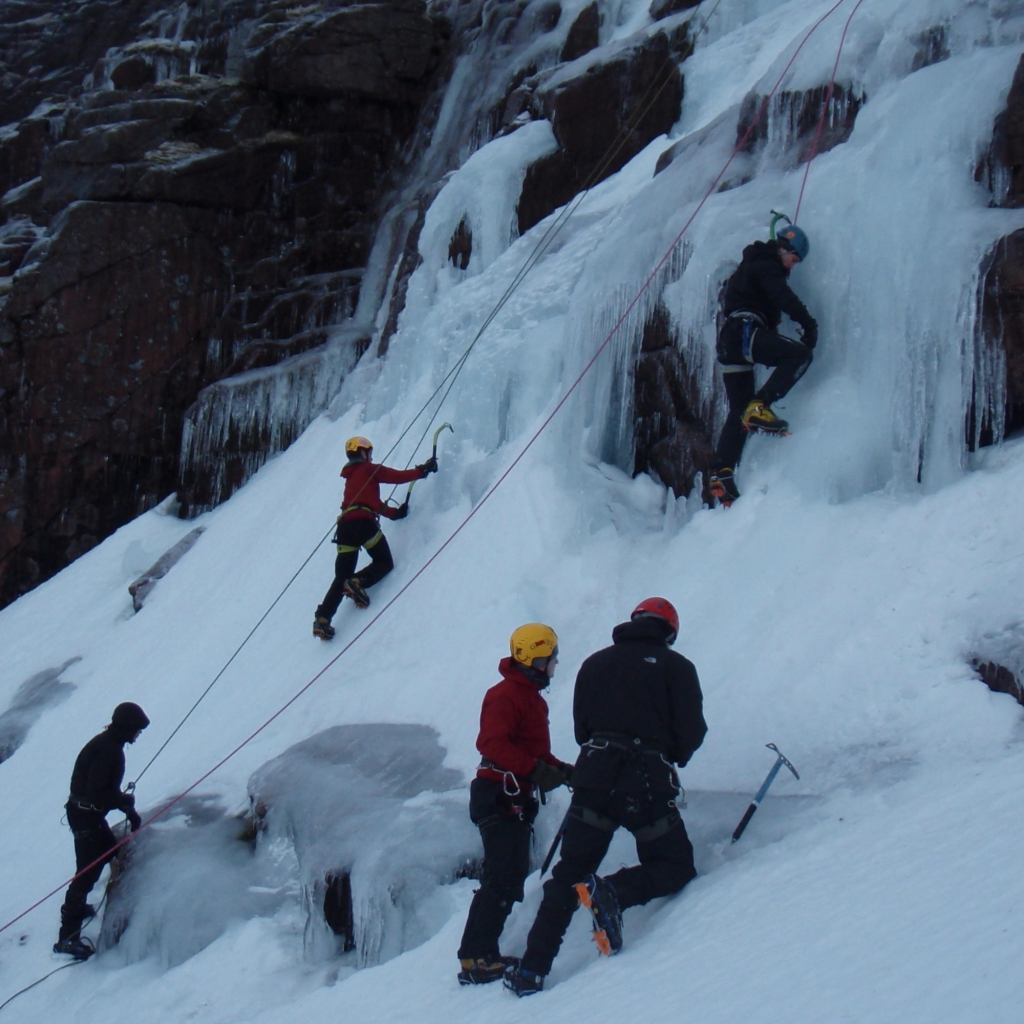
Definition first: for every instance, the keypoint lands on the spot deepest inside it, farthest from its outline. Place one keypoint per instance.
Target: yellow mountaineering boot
(759, 416)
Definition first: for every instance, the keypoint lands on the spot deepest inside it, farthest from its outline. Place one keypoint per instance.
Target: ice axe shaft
(437, 434)
(780, 760)
(554, 845)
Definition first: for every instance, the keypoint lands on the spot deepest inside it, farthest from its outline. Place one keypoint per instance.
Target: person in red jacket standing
(359, 527)
(516, 762)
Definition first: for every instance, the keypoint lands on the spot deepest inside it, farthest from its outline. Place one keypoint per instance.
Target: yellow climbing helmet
(533, 645)
(354, 445)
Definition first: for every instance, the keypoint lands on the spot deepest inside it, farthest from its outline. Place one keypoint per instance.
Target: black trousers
(743, 343)
(506, 865)
(506, 828)
(359, 533)
(93, 839)
(666, 864)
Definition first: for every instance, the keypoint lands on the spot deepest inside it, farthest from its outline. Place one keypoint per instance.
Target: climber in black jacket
(638, 710)
(755, 298)
(95, 791)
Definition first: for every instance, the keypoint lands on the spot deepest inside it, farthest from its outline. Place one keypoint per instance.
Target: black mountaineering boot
(79, 948)
(523, 983)
(322, 628)
(354, 588)
(723, 486)
(485, 969)
(598, 896)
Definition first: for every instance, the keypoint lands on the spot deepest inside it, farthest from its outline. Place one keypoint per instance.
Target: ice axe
(437, 433)
(554, 844)
(755, 803)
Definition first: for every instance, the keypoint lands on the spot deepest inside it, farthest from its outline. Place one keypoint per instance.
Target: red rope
(824, 111)
(465, 522)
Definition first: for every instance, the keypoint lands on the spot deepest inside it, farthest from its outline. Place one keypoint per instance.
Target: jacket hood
(648, 630)
(763, 251)
(516, 673)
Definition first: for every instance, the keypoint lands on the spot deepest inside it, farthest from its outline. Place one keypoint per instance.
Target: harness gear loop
(658, 828)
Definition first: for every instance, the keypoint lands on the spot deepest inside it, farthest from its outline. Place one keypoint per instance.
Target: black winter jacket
(639, 687)
(99, 769)
(759, 285)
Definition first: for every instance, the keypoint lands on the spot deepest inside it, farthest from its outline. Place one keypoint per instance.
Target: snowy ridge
(833, 610)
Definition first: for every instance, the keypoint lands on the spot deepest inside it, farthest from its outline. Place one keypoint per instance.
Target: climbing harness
(463, 524)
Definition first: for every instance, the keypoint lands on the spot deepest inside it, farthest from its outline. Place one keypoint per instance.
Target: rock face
(670, 437)
(203, 207)
(1002, 290)
(998, 678)
(790, 122)
(1003, 168)
(1002, 323)
(618, 105)
(584, 33)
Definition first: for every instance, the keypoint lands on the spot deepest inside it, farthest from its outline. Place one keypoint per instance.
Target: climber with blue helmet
(753, 301)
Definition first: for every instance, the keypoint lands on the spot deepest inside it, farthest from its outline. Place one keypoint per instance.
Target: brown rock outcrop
(1002, 323)
(790, 122)
(162, 234)
(103, 356)
(601, 120)
(1002, 170)
(1001, 302)
(584, 33)
(670, 437)
(998, 678)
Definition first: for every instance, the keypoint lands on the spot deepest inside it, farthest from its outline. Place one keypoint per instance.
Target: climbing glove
(810, 335)
(547, 777)
(428, 467)
(401, 512)
(134, 820)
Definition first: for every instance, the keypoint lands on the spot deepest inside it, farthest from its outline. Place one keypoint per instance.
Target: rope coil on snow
(473, 512)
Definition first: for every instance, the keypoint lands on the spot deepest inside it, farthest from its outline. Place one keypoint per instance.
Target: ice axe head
(783, 759)
(437, 434)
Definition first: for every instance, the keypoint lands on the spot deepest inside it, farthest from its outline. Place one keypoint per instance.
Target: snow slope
(833, 610)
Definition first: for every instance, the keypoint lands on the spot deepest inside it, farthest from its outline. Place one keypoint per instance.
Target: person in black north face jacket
(95, 791)
(637, 709)
(756, 296)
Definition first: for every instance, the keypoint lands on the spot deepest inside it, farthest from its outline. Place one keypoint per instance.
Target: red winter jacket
(362, 489)
(514, 725)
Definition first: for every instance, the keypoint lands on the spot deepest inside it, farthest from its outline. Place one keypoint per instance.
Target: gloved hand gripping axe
(779, 762)
(437, 433)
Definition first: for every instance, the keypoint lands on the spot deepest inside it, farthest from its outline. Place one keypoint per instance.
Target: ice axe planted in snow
(779, 762)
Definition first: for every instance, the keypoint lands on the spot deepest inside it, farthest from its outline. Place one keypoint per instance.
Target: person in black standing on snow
(359, 527)
(516, 763)
(95, 792)
(637, 709)
(756, 296)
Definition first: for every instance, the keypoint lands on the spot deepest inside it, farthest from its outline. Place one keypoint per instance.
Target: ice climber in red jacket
(516, 763)
(359, 527)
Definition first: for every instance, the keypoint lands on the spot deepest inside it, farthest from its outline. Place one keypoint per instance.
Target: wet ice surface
(376, 803)
(371, 801)
(187, 879)
(38, 693)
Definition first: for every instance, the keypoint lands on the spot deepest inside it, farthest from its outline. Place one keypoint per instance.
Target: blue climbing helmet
(790, 237)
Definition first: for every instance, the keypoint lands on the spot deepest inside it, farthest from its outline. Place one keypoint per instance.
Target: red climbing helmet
(659, 608)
